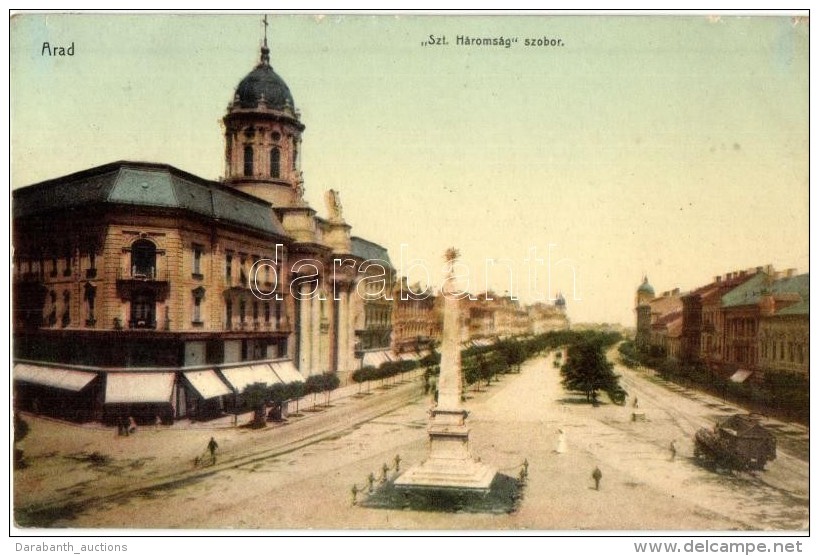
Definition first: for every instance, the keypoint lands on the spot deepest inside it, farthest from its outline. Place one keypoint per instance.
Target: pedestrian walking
(597, 475)
(561, 442)
(212, 446)
(636, 403)
(132, 426)
(673, 449)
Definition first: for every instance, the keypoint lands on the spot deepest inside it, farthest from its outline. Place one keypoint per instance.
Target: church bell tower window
(248, 161)
(275, 162)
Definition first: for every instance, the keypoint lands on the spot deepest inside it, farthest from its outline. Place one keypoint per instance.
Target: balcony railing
(148, 274)
(142, 323)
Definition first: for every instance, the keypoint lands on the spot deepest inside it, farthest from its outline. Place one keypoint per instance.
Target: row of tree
(259, 396)
(386, 370)
(780, 393)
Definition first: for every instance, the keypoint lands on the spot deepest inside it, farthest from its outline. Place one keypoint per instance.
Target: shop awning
(375, 358)
(407, 357)
(207, 383)
(242, 377)
(138, 387)
(741, 375)
(287, 371)
(55, 377)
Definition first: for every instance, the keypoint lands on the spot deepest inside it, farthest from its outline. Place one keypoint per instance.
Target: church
(142, 290)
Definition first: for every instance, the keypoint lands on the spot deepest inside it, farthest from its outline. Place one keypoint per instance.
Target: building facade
(143, 290)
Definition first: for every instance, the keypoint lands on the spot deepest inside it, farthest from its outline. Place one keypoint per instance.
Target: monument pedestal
(450, 465)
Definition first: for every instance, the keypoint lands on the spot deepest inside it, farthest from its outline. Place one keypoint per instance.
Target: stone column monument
(450, 465)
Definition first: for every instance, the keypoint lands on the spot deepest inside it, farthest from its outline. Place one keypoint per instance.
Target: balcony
(147, 274)
(147, 324)
(133, 280)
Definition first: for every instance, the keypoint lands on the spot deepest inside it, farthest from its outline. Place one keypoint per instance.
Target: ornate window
(66, 318)
(198, 295)
(197, 260)
(90, 298)
(275, 162)
(143, 310)
(248, 160)
(143, 259)
(229, 266)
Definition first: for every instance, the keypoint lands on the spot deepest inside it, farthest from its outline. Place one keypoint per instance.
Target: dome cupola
(263, 85)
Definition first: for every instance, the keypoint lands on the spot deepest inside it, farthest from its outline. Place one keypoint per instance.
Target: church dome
(264, 83)
(645, 287)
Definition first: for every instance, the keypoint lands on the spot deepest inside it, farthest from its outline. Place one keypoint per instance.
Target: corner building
(138, 288)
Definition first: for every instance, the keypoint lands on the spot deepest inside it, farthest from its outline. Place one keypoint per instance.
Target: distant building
(417, 320)
(545, 317)
(743, 324)
(768, 314)
(655, 316)
(642, 309)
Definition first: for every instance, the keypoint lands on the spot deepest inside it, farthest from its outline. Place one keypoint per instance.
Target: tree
(295, 390)
(313, 385)
(278, 396)
(587, 370)
(256, 396)
(513, 352)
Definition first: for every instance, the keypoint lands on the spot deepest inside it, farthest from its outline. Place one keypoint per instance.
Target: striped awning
(139, 387)
(207, 383)
(242, 377)
(55, 377)
(287, 371)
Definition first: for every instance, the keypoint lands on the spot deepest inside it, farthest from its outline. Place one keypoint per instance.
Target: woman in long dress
(561, 442)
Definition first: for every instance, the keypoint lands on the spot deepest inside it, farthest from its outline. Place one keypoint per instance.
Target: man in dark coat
(212, 446)
(597, 475)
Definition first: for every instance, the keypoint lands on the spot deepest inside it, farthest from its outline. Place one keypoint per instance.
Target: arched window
(143, 310)
(143, 259)
(248, 160)
(275, 162)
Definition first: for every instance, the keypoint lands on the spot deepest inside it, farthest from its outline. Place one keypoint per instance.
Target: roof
(665, 305)
(800, 308)
(264, 83)
(752, 291)
(148, 185)
(369, 251)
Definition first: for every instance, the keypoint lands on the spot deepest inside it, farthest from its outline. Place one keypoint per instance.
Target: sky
(669, 146)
